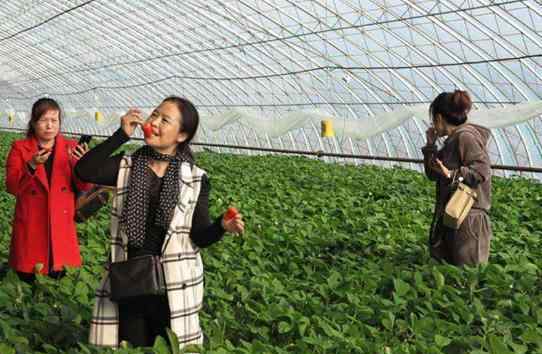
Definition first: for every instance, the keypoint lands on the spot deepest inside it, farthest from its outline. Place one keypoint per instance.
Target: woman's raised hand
(131, 120)
(40, 157)
(78, 151)
(431, 135)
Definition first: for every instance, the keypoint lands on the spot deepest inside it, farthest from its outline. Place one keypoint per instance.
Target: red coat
(43, 212)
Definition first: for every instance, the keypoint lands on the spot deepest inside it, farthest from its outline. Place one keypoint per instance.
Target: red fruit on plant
(147, 130)
(230, 214)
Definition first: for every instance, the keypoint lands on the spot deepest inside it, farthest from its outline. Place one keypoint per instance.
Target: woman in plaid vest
(160, 208)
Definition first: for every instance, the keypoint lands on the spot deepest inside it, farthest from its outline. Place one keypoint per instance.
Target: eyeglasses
(163, 118)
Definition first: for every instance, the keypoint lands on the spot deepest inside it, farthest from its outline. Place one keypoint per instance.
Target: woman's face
(166, 120)
(46, 128)
(438, 124)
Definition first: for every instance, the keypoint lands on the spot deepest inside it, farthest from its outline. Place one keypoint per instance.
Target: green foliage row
(333, 260)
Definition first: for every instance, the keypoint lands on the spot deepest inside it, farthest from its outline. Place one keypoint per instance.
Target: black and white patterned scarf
(134, 212)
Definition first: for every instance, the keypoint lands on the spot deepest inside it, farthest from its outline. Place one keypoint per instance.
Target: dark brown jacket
(465, 154)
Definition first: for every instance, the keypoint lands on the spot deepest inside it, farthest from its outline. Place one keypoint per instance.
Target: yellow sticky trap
(327, 128)
(99, 117)
(11, 118)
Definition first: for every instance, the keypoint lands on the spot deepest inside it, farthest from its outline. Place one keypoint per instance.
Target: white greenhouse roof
(263, 72)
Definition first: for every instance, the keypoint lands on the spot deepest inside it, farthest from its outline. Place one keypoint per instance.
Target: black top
(49, 165)
(99, 167)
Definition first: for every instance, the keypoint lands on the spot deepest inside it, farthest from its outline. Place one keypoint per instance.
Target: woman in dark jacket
(160, 209)
(465, 155)
(39, 173)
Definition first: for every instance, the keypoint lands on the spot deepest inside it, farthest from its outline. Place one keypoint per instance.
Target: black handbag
(91, 201)
(138, 276)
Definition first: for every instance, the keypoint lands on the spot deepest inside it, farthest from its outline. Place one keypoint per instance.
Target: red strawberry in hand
(230, 214)
(147, 130)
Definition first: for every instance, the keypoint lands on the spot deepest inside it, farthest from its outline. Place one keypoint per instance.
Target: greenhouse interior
(271, 176)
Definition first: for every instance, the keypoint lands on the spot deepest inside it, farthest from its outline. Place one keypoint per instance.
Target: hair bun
(461, 102)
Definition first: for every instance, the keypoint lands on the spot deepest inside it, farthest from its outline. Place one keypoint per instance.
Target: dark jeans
(142, 319)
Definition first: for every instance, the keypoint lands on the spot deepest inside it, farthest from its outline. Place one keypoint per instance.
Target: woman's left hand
(234, 225)
(443, 170)
(79, 151)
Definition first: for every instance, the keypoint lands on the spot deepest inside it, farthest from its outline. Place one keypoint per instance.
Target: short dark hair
(39, 108)
(453, 106)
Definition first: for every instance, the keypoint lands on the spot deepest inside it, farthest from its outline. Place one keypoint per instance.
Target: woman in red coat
(39, 173)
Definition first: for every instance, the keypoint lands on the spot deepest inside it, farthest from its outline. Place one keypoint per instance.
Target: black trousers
(142, 319)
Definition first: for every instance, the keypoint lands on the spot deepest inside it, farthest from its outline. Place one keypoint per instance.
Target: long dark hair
(190, 120)
(453, 106)
(39, 108)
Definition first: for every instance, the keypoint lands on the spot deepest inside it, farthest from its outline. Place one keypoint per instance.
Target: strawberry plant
(333, 260)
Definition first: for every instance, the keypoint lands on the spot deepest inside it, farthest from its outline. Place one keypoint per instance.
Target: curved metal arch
(361, 82)
(520, 86)
(392, 33)
(450, 76)
(472, 72)
(476, 49)
(404, 80)
(130, 38)
(122, 43)
(371, 91)
(63, 83)
(297, 50)
(25, 61)
(394, 73)
(58, 32)
(273, 80)
(128, 74)
(502, 41)
(492, 88)
(81, 78)
(290, 136)
(242, 89)
(516, 23)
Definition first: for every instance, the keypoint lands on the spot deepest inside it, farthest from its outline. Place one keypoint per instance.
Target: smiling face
(47, 126)
(166, 123)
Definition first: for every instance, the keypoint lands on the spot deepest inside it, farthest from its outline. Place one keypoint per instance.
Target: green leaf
(401, 287)
(497, 346)
(518, 348)
(284, 327)
(439, 279)
(532, 336)
(192, 348)
(303, 323)
(442, 341)
(160, 346)
(418, 280)
(173, 340)
(334, 280)
(5, 349)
